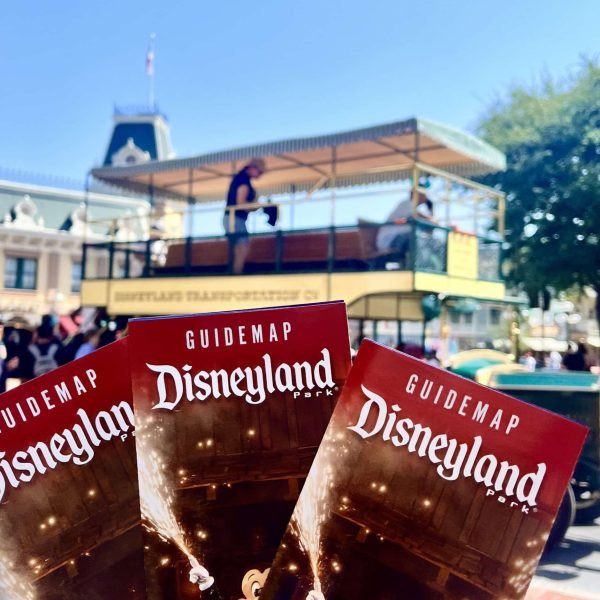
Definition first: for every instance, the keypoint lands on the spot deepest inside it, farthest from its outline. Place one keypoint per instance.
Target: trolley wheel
(586, 485)
(564, 519)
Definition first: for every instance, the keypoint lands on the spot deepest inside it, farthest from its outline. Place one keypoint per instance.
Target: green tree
(551, 136)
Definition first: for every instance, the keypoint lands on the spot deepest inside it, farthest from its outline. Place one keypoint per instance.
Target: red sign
(426, 484)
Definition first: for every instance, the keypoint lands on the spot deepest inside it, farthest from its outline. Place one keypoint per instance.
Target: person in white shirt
(554, 361)
(529, 361)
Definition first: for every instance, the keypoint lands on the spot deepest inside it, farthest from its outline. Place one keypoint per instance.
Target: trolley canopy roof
(362, 156)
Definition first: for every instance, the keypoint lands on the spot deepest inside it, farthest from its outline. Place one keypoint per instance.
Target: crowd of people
(575, 359)
(25, 354)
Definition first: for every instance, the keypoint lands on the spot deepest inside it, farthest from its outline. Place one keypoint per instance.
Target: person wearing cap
(241, 194)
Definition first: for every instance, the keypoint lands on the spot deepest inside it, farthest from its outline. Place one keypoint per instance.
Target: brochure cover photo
(230, 410)
(426, 485)
(69, 510)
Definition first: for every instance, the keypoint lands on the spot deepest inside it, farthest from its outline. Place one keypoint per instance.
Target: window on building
(20, 273)
(469, 318)
(495, 314)
(454, 317)
(76, 277)
(479, 318)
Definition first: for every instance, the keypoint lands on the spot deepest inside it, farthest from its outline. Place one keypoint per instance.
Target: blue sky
(230, 73)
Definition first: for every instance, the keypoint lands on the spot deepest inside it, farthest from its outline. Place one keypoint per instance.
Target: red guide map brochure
(69, 511)
(426, 485)
(230, 410)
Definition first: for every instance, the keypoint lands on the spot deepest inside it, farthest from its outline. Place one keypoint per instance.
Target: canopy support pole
(415, 189)
(190, 204)
(448, 192)
(292, 205)
(333, 182)
(332, 218)
(476, 200)
(501, 214)
(151, 191)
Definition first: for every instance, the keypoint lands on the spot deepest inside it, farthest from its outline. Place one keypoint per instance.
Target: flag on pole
(150, 70)
(150, 62)
(150, 56)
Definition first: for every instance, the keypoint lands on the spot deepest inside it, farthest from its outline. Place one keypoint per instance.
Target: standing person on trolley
(241, 193)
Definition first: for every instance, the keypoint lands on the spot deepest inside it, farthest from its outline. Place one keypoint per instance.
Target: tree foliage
(551, 136)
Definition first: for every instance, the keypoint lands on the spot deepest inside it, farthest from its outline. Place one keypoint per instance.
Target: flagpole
(150, 70)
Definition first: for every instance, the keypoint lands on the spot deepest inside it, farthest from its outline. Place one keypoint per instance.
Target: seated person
(396, 233)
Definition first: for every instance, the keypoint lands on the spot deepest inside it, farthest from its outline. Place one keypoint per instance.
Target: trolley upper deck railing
(328, 249)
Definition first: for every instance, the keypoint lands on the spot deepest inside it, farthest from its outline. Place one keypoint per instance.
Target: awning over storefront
(361, 156)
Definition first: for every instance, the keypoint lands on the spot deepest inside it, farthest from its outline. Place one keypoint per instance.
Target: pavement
(571, 571)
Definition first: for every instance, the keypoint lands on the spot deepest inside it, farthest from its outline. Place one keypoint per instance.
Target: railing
(431, 248)
(129, 110)
(330, 249)
(489, 260)
(456, 202)
(40, 179)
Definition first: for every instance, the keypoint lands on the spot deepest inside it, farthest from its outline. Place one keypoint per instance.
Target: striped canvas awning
(361, 156)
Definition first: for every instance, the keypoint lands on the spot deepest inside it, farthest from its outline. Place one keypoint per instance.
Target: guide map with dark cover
(69, 511)
(230, 410)
(426, 485)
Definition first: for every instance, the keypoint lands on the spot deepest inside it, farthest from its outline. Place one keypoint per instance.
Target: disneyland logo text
(453, 459)
(252, 384)
(75, 445)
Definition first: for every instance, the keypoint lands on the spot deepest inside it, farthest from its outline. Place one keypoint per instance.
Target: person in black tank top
(241, 193)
